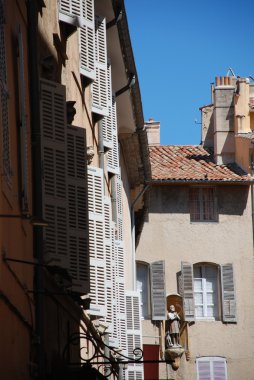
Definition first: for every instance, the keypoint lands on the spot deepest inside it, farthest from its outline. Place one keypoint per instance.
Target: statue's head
(172, 308)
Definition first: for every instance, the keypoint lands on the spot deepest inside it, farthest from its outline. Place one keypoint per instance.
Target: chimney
(224, 141)
(153, 131)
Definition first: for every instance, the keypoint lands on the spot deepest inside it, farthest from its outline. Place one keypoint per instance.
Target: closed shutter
(187, 288)
(78, 209)
(113, 154)
(53, 140)
(134, 334)
(211, 368)
(100, 85)
(4, 106)
(158, 290)
(228, 293)
(120, 294)
(96, 242)
(23, 126)
(76, 12)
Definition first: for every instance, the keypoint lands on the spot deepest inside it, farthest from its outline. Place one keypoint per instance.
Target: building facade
(199, 233)
(86, 167)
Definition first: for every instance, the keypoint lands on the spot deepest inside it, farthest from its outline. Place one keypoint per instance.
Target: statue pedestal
(173, 356)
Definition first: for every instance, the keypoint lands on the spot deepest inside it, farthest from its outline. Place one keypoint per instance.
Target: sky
(180, 46)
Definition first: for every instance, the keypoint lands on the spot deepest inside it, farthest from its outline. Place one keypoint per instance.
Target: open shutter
(23, 125)
(108, 253)
(158, 291)
(113, 337)
(119, 203)
(96, 242)
(113, 154)
(76, 12)
(134, 334)
(87, 42)
(120, 294)
(228, 293)
(53, 144)
(100, 85)
(187, 288)
(107, 121)
(78, 209)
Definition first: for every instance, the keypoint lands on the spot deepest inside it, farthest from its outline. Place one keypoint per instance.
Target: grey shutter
(100, 85)
(158, 290)
(228, 293)
(78, 209)
(187, 287)
(204, 369)
(23, 126)
(53, 144)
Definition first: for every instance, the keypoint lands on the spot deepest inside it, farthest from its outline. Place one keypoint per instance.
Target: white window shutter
(76, 12)
(100, 85)
(78, 209)
(134, 334)
(87, 42)
(107, 121)
(113, 154)
(119, 204)
(97, 242)
(203, 369)
(211, 368)
(53, 141)
(23, 125)
(120, 294)
(158, 290)
(228, 293)
(114, 340)
(188, 294)
(108, 253)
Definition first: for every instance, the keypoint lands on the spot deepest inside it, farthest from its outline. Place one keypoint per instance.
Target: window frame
(202, 219)
(144, 316)
(217, 307)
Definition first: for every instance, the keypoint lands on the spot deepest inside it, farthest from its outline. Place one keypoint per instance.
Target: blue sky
(179, 48)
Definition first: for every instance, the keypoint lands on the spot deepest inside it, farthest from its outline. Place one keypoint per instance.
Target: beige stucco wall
(169, 235)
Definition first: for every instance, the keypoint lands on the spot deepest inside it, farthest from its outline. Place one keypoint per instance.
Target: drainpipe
(32, 17)
(101, 150)
(133, 234)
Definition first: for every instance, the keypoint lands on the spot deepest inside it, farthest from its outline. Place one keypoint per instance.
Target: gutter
(201, 182)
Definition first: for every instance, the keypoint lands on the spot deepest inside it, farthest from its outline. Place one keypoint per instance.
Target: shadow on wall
(174, 199)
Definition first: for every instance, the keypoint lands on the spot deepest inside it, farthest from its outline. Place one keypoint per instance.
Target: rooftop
(191, 163)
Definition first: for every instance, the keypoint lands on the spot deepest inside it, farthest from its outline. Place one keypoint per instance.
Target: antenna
(230, 70)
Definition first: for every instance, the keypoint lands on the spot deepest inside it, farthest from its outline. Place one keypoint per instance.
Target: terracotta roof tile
(191, 163)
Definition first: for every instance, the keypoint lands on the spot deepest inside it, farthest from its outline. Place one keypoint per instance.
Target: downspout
(32, 17)
(133, 234)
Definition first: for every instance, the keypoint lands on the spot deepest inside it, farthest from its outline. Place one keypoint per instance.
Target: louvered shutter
(134, 334)
(77, 209)
(107, 121)
(53, 140)
(228, 293)
(211, 368)
(187, 288)
(113, 154)
(120, 294)
(96, 242)
(119, 204)
(158, 290)
(76, 12)
(87, 42)
(113, 338)
(100, 85)
(23, 125)
(108, 253)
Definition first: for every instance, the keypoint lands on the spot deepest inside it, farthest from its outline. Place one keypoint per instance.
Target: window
(206, 291)
(202, 286)
(151, 284)
(203, 205)
(211, 368)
